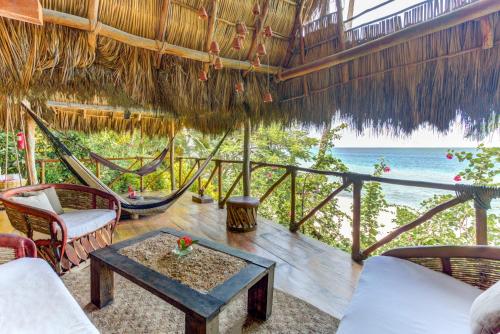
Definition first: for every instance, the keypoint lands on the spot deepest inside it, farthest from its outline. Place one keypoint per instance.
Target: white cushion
(396, 296)
(81, 222)
(51, 196)
(39, 201)
(485, 311)
(33, 299)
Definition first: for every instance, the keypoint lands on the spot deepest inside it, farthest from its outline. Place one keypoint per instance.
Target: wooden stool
(242, 213)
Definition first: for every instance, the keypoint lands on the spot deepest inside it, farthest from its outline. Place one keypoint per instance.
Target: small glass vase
(182, 252)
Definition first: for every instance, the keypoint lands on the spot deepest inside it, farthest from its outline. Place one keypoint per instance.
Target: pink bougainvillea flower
(387, 169)
(449, 156)
(457, 178)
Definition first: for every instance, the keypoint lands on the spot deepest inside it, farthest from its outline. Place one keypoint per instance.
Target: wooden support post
(356, 220)
(350, 13)
(246, 158)
(293, 197)
(219, 183)
(481, 225)
(172, 157)
(199, 178)
(29, 132)
(340, 24)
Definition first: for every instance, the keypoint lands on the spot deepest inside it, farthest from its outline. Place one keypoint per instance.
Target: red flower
(184, 242)
(457, 178)
(387, 169)
(449, 156)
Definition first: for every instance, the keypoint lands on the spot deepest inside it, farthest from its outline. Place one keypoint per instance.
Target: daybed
(66, 221)
(423, 290)
(33, 298)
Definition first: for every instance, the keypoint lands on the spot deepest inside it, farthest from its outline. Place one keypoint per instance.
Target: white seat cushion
(81, 222)
(396, 296)
(33, 299)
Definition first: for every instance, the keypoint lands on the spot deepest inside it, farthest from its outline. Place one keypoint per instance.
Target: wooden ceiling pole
(469, 12)
(93, 15)
(344, 70)
(212, 18)
(258, 29)
(81, 23)
(297, 26)
(27, 10)
(162, 28)
(487, 32)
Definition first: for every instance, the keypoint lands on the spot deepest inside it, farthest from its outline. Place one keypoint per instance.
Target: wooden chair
(58, 240)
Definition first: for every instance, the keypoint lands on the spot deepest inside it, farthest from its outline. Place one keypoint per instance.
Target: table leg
(260, 297)
(199, 325)
(101, 283)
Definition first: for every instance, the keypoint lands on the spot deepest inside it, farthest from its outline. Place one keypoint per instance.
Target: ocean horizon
(413, 163)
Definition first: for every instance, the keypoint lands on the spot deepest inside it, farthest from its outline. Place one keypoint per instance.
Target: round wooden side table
(242, 213)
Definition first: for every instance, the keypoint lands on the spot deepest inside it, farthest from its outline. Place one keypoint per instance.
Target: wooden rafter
(81, 23)
(28, 10)
(470, 12)
(259, 28)
(162, 27)
(93, 15)
(212, 18)
(344, 70)
(297, 25)
(487, 32)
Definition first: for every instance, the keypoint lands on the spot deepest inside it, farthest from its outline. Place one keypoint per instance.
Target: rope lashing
(481, 195)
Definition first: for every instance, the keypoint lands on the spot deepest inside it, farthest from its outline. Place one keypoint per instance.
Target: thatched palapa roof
(137, 55)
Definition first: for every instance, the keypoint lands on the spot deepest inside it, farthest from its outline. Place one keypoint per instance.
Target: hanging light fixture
(256, 9)
(218, 64)
(237, 45)
(202, 76)
(214, 48)
(240, 88)
(261, 49)
(268, 98)
(241, 29)
(268, 32)
(202, 13)
(256, 61)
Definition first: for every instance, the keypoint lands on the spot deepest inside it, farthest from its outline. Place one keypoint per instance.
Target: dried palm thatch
(428, 80)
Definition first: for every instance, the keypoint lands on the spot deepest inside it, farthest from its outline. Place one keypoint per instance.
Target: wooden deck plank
(306, 268)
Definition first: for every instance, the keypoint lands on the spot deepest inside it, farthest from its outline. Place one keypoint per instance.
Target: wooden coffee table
(202, 310)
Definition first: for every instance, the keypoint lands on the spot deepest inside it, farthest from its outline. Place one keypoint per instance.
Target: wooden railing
(481, 195)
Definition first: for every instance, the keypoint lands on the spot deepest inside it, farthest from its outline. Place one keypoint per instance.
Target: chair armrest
(21, 246)
(475, 265)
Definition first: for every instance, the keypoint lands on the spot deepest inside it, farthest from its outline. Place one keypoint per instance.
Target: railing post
(293, 185)
(199, 178)
(356, 220)
(141, 180)
(180, 172)
(481, 224)
(97, 169)
(42, 171)
(219, 183)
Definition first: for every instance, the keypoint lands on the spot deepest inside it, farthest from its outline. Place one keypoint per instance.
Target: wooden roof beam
(212, 18)
(297, 26)
(259, 28)
(470, 12)
(28, 10)
(93, 15)
(487, 32)
(81, 23)
(162, 28)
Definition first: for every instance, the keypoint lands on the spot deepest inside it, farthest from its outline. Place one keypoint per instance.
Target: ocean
(421, 164)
